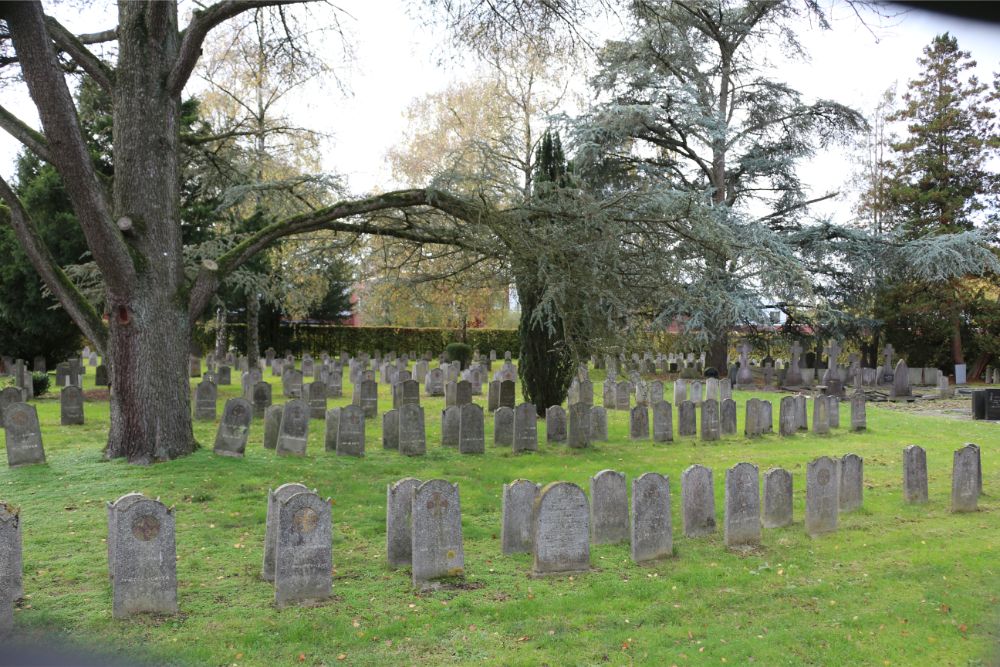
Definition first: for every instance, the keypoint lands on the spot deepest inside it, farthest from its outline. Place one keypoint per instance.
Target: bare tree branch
(201, 24)
(91, 64)
(30, 138)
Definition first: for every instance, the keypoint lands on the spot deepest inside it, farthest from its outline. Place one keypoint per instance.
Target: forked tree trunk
(149, 326)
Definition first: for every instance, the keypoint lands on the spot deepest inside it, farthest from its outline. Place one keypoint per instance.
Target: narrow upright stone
(751, 424)
(143, 557)
(525, 428)
(663, 422)
(451, 417)
(412, 434)
(205, 398)
(822, 495)
(579, 426)
(71, 406)
(231, 437)
(651, 536)
(390, 429)
(608, 507)
(698, 501)
(436, 524)
(777, 498)
(351, 431)
(471, 429)
(914, 475)
(11, 566)
(965, 473)
(560, 530)
(852, 469)
(728, 416)
(788, 418)
(555, 424)
(833, 411)
(293, 434)
(638, 423)
(710, 428)
(303, 555)
(23, 435)
(503, 427)
(272, 425)
(282, 493)
(398, 508)
(821, 415)
(859, 417)
(742, 524)
(517, 505)
(687, 424)
(599, 424)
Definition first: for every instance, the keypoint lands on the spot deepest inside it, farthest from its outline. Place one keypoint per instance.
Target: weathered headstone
(751, 422)
(901, 380)
(70, 406)
(471, 429)
(315, 396)
(293, 433)
(231, 437)
(822, 495)
(274, 498)
(698, 501)
(261, 398)
(914, 475)
(291, 382)
(742, 510)
(710, 427)
(680, 391)
(368, 398)
(507, 395)
(598, 424)
(23, 435)
(560, 530)
(351, 431)
(801, 409)
(11, 565)
(852, 469)
(663, 422)
(503, 427)
(687, 424)
(517, 506)
(766, 419)
(525, 428)
(101, 376)
(623, 396)
(436, 524)
(833, 411)
(788, 418)
(450, 419)
(303, 554)
(638, 423)
(331, 427)
(608, 507)
(398, 510)
(412, 437)
(555, 424)
(821, 415)
(578, 433)
(142, 557)
(965, 479)
(651, 534)
(777, 498)
(206, 395)
(697, 392)
(272, 425)
(727, 421)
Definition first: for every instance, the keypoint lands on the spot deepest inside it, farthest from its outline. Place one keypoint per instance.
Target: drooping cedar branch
(29, 138)
(91, 64)
(55, 278)
(336, 218)
(67, 149)
(201, 24)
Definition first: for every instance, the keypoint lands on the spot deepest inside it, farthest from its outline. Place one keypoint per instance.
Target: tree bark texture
(253, 329)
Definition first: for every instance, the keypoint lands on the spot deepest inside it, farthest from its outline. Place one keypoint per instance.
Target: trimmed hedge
(318, 338)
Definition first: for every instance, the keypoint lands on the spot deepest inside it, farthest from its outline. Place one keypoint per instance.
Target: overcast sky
(397, 58)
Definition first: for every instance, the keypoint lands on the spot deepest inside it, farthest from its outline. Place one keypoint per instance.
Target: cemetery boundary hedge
(318, 338)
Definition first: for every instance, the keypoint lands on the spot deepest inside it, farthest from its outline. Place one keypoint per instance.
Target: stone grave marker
(507, 395)
(598, 424)
(663, 426)
(525, 428)
(687, 423)
(698, 501)
(609, 395)
(293, 433)
(503, 427)
(710, 427)
(608, 508)
(777, 498)
(272, 425)
(623, 395)
(463, 392)
(261, 398)
(821, 415)
(205, 397)
(231, 437)
(101, 376)
(471, 429)
(742, 509)
(560, 530)
(331, 427)
(680, 391)
(517, 506)
(852, 469)
(412, 437)
(639, 423)
(822, 495)
(303, 554)
(766, 419)
(800, 407)
(555, 424)
(578, 434)
(900, 380)
(274, 498)
(833, 411)
(436, 525)
(450, 419)
(368, 398)
(291, 382)
(390, 429)
(965, 479)
(788, 418)
(142, 557)
(23, 435)
(70, 406)
(398, 511)
(914, 475)
(728, 416)
(751, 424)
(315, 397)
(11, 566)
(651, 533)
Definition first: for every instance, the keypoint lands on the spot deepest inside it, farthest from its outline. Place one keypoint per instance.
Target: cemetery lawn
(896, 585)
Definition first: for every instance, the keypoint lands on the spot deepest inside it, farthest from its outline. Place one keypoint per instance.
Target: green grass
(897, 584)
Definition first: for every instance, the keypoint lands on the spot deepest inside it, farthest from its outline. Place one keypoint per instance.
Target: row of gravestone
(556, 524)
(70, 404)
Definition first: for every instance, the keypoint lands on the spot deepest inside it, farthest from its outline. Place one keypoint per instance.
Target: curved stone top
(406, 480)
(136, 504)
(303, 497)
(519, 481)
(697, 467)
(743, 467)
(437, 484)
(780, 472)
(649, 477)
(126, 500)
(606, 472)
(560, 491)
(286, 491)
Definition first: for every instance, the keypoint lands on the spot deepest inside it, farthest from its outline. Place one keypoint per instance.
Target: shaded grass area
(897, 584)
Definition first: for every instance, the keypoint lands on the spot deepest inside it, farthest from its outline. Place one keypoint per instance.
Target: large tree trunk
(718, 354)
(220, 333)
(253, 330)
(149, 326)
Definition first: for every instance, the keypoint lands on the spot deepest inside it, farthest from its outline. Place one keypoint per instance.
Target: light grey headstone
(742, 509)
(712, 390)
(332, 425)
(623, 395)
(368, 398)
(525, 428)
(205, 397)
(351, 431)
(608, 507)
(261, 398)
(800, 408)
(11, 564)
(390, 429)
(728, 416)
(821, 415)
(398, 508)
(272, 425)
(412, 436)
(680, 391)
(914, 475)
(143, 557)
(23, 435)
(560, 530)
(859, 416)
(652, 530)
(293, 434)
(687, 424)
(291, 382)
(70, 406)
(555, 424)
(282, 493)
(766, 419)
(451, 417)
(852, 473)
(598, 424)
(698, 501)
(434, 382)
(503, 427)
(751, 424)
(517, 506)
(965, 479)
(697, 392)
(578, 435)
(436, 524)
(471, 429)
(788, 418)
(663, 422)
(303, 554)
(833, 411)
(710, 427)
(638, 423)
(231, 437)
(901, 380)
(315, 396)
(608, 390)
(777, 498)
(822, 495)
